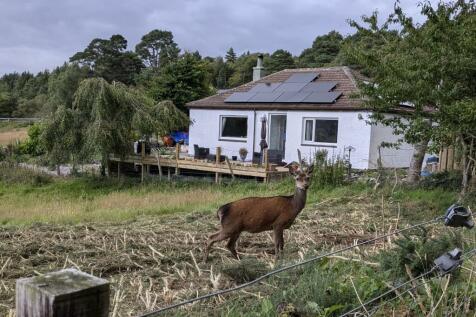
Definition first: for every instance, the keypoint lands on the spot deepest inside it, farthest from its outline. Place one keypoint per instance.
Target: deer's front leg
(278, 240)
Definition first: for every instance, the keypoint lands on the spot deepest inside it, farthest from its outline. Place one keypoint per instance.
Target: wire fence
(411, 281)
(298, 264)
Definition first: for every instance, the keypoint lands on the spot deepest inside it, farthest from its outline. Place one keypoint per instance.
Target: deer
(258, 214)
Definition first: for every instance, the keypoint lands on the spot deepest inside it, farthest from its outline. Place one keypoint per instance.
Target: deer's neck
(299, 200)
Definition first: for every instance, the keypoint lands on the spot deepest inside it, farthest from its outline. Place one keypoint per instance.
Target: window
(320, 130)
(233, 127)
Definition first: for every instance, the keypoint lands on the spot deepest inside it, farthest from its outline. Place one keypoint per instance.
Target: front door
(277, 133)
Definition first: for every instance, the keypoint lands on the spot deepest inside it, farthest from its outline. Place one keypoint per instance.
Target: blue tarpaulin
(179, 136)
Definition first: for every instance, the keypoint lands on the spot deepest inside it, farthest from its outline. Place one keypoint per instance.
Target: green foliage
(243, 69)
(157, 49)
(107, 114)
(110, 60)
(182, 81)
(10, 175)
(167, 118)
(63, 83)
(324, 50)
(33, 145)
(230, 56)
(279, 60)
(61, 136)
(417, 253)
(328, 171)
(449, 180)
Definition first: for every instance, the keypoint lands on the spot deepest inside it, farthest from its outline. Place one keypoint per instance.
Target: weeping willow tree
(60, 137)
(104, 119)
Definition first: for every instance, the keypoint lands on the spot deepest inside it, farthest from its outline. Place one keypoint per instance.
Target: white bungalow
(306, 109)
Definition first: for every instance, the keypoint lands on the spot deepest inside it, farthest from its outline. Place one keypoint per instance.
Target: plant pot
(243, 157)
(234, 157)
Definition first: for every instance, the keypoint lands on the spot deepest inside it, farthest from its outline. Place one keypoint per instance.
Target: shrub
(417, 253)
(446, 180)
(33, 145)
(328, 171)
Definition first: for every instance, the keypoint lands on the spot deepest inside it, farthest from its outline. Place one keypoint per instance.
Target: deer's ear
(310, 169)
(293, 168)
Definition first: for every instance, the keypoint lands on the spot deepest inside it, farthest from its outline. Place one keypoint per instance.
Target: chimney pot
(258, 70)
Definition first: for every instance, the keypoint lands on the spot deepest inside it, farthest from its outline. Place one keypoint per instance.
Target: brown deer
(258, 214)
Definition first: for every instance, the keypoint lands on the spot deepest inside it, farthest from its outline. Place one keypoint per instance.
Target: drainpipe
(254, 131)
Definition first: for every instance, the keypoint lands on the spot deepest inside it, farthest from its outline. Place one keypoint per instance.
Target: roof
(345, 78)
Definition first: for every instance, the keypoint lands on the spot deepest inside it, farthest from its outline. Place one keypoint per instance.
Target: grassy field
(148, 241)
(12, 132)
(28, 197)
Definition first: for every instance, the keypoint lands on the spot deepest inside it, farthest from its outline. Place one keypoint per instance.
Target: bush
(446, 180)
(33, 145)
(416, 253)
(328, 171)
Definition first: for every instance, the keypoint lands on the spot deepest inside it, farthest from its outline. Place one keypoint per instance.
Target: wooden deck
(180, 161)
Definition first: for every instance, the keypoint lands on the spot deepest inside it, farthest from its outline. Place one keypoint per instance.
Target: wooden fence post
(229, 167)
(217, 161)
(66, 293)
(119, 169)
(142, 154)
(177, 157)
(266, 164)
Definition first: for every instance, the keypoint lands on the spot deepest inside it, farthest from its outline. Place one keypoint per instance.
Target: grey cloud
(39, 34)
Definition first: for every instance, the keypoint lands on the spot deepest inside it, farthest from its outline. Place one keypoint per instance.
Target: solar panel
(264, 87)
(302, 78)
(292, 96)
(265, 96)
(322, 86)
(290, 87)
(240, 97)
(322, 97)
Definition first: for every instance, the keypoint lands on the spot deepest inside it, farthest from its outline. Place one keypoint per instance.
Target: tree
(430, 67)
(110, 60)
(279, 60)
(324, 50)
(157, 49)
(63, 83)
(182, 81)
(230, 56)
(243, 69)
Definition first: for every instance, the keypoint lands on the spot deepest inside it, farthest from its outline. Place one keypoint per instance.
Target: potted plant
(243, 153)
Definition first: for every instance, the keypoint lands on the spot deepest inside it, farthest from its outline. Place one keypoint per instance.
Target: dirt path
(156, 261)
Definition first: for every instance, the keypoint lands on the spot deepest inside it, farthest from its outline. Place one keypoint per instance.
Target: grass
(29, 198)
(147, 240)
(12, 135)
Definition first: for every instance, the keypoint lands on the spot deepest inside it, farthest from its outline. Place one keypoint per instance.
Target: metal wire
(286, 268)
(463, 256)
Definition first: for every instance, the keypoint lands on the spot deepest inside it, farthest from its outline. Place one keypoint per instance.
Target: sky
(42, 34)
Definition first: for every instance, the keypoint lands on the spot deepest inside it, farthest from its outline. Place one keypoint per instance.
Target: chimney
(258, 70)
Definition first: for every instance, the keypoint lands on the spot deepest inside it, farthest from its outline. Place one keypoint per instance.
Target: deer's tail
(223, 212)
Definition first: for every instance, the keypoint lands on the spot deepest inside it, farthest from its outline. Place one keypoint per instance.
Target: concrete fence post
(66, 293)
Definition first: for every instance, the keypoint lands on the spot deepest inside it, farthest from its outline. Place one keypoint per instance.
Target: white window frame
(313, 119)
(227, 138)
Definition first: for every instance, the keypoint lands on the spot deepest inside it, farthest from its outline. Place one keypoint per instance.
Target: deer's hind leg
(278, 240)
(218, 236)
(231, 245)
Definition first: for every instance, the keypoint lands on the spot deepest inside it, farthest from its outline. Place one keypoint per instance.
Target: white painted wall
(391, 157)
(205, 131)
(352, 131)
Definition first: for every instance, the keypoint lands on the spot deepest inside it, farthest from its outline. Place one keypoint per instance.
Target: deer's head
(301, 173)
